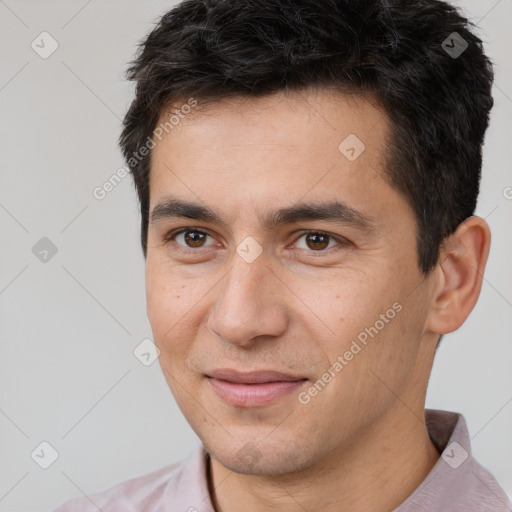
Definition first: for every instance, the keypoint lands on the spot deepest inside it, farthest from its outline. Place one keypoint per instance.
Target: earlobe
(462, 261)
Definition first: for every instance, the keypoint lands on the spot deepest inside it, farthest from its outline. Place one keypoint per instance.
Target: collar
(456, 480)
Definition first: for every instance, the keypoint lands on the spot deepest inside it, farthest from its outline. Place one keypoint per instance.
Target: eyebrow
(333, 211)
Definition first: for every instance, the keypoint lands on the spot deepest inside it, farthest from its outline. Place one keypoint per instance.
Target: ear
(460, 273)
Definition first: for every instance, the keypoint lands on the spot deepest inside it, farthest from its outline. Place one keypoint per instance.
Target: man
(308, 173)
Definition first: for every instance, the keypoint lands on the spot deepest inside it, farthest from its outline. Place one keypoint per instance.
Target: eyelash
(183, 249)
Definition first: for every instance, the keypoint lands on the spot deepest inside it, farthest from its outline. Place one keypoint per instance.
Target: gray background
(69, 325)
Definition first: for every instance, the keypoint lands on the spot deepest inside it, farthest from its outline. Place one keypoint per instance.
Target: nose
(249, 304)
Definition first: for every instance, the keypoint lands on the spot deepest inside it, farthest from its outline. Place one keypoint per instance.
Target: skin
(361, 443)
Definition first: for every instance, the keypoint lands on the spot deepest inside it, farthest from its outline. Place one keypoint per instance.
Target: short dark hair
(406, 53)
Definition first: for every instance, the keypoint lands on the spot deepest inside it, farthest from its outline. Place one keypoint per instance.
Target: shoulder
(145, 492)
(457, 481)
(483, 488)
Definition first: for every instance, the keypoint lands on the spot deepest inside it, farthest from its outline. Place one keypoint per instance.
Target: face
(276, 245)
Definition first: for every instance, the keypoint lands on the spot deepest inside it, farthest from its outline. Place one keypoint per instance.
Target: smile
(254, 390)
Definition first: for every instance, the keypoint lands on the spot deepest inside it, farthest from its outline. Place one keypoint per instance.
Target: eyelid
(178, 231)
(172, 234)
(341, 241)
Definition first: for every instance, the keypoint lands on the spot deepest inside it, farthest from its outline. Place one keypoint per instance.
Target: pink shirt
(457, 483)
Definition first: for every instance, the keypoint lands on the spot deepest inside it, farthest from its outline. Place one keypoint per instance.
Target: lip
(252, 377)
(253, 389)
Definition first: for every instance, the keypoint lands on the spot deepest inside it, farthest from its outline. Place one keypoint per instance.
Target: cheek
(359, 324)
(367, 354)
(342, 304)
(170, 308)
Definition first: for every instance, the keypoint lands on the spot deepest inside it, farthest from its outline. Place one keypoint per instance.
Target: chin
(262, 459)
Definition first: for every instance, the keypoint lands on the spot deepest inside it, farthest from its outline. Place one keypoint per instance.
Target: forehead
(282, 118)
(305, 124)
(274, 149)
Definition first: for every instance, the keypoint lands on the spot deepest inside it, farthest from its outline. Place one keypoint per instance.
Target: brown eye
(317, 241)
(189, 238)
(194, 238)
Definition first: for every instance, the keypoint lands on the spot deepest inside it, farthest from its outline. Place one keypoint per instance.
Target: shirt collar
(455, 474)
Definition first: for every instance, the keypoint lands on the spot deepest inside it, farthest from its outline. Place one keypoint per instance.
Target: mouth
(253, 389)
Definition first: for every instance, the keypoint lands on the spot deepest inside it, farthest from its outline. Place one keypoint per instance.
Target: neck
(378, 471)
